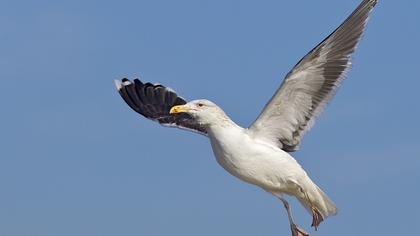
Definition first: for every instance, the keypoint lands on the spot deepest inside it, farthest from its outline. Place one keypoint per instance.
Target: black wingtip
(154, 102)
(148, 99)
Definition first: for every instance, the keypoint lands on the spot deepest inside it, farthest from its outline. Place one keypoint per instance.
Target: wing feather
(154, 102)
(311, 84)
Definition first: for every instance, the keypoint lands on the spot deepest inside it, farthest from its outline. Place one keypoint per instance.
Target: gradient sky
(76, 160)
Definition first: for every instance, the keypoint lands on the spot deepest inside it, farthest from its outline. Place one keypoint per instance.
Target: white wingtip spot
(127, 82)
(170, 90)
(118, 84)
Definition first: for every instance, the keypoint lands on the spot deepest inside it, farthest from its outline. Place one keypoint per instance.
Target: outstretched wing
(311, 84)
(154, 101)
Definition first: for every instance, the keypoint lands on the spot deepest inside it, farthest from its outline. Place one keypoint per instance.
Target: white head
(203, 111)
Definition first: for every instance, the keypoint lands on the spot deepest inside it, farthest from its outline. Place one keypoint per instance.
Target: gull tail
(317, 203)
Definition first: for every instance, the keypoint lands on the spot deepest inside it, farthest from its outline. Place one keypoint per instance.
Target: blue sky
(75, 160)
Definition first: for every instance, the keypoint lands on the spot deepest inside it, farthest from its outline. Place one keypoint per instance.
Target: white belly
(255, 162)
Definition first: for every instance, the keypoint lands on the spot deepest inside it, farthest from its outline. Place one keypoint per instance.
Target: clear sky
(76, 160)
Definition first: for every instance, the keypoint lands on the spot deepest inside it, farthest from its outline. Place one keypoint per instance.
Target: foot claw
(296, 231)
(317, 218)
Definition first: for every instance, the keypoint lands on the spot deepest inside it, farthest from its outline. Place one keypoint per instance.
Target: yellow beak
(178, 109)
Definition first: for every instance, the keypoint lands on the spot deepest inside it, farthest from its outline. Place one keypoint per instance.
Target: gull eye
(200, 104)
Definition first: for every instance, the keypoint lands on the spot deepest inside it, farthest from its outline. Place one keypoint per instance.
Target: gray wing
(311, 84)
(154, 102)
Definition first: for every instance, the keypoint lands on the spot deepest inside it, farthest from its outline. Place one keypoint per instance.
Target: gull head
(203, 111)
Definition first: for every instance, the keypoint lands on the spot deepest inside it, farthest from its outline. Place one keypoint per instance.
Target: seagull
(259, 154)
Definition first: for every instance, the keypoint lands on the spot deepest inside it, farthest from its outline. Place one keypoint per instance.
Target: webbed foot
(296, 231)
(317, 218)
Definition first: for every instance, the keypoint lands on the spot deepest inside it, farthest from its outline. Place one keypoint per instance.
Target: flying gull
(260, 154)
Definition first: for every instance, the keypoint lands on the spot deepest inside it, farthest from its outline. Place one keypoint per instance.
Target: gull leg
(296, 231)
